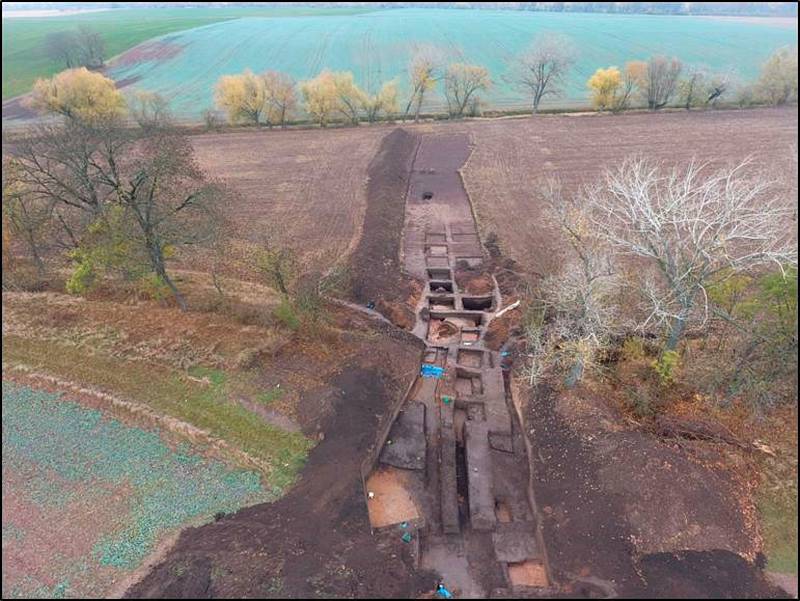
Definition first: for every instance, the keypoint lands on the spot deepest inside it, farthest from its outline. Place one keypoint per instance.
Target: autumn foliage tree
(424, 70)
(462, 85)
(80, 95)
(321, 97)
(243, 97)
(611, 88)
(777, 83)
(281, 97)
(384, 101)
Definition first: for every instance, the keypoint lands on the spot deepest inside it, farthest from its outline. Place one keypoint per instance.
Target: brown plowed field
(511, 153)
(307, 188)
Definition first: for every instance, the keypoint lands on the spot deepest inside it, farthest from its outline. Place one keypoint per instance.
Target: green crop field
(24, 57)
(376, 46)
(87, 498)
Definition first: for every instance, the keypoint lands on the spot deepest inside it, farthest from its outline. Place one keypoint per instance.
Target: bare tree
(150, 110)
(62, 46)
(691, 89)
(658, 80)
(542, 69)
(692, 224)
(579, 314)
(91, 47)
(26, 217)
(719, 85)
(462, 83)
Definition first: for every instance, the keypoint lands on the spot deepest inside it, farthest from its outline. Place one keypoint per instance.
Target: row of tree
(271, 98)
(541, 72)
(663, 81)
(274, 98)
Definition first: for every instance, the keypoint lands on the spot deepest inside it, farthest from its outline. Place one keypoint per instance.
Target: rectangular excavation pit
(391, 501)
(405, 448)
(529, 573)
(431, 355)
(470, 335)
(470, 238)
(445, 327)
(477, 303)
(436, 250)
(468, 262)
(437, 262)
(469, 358)
(440, 286)
(468, 383)
(435, 238)
(440, 274)
(441, 303)
(463, 319)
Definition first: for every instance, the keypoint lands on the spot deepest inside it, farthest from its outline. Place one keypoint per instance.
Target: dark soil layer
(704, 575)
(587, 534)
(315, 541)
(376, 272)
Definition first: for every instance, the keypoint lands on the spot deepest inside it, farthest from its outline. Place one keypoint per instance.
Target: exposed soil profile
(376, 272)
(587, 527)
(315, 541)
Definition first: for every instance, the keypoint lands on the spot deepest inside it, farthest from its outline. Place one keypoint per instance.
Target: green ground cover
(24, 57)
(376, 47)
(86, 498)
(201, 398)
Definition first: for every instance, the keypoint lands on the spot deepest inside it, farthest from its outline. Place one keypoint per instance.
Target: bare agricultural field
(510, 154)
(306, 188)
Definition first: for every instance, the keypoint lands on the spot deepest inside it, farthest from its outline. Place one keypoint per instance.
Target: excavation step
(406, 444)
(479, 472)
(515, 542)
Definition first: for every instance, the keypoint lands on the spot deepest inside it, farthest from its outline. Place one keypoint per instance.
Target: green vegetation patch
(25, 58)
(135, 486)
(171, 392)
(779, 522)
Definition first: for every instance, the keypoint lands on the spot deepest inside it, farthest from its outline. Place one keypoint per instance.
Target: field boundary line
(139, 413)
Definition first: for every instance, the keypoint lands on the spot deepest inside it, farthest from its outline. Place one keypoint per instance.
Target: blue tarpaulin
(431, 371)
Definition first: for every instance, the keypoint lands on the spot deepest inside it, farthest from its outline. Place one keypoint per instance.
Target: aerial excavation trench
(450, 473)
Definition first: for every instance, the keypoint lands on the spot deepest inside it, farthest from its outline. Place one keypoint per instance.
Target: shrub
(152, 286)
(634, 349)
(286, 315)
(666, 366)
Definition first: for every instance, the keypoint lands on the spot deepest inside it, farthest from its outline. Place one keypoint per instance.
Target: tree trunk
(575, 373)
(157, 261)
(676, 329)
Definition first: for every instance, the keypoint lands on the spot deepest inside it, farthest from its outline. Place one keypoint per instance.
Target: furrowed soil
(303, 190)
(511, 154)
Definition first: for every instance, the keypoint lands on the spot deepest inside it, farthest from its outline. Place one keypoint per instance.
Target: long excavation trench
(452, 474)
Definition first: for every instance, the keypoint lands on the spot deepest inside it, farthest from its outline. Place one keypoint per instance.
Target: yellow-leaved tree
(281, 97)
(80, 95)
(383, 101)
(320, 97)
(350, 97)
(611, 88)
(778, 81)
(243, 97)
